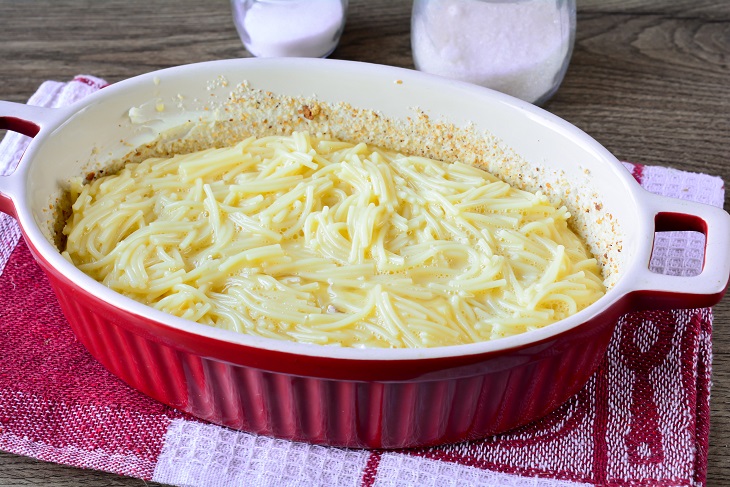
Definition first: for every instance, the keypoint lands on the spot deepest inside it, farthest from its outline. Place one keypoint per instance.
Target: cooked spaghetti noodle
(327, 242)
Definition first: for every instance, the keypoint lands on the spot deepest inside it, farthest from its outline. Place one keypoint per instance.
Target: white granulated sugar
(295, 28)
(517, 48)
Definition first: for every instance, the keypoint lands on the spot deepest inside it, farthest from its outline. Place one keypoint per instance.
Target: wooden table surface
(649, 79)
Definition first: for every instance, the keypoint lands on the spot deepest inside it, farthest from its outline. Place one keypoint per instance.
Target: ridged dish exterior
(491, 394)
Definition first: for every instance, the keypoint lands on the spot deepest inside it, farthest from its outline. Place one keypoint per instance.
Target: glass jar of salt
(289, 28)
(518, 47)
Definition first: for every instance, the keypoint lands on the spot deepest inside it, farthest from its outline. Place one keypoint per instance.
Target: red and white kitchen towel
(643, 419)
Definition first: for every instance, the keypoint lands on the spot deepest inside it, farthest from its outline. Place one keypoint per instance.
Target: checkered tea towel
(642, 419)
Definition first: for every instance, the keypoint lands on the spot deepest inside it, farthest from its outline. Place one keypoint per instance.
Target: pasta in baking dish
(328, 242)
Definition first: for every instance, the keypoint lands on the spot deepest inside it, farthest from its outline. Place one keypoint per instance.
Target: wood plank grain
(649, 79)
(704, 9)
(23, 471)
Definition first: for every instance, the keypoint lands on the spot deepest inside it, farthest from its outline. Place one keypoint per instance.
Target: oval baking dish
(372, 398)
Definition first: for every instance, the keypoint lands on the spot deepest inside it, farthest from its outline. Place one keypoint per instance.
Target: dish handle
(655, 290)
(27, 120)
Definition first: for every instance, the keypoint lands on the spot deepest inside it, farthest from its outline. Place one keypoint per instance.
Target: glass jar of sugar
(289, 28)
(518, 47)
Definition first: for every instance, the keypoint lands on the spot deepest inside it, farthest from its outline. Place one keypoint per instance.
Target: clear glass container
(518, 47)
(290, 28)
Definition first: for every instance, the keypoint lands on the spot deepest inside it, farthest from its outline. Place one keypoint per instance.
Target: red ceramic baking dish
(384, 398)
